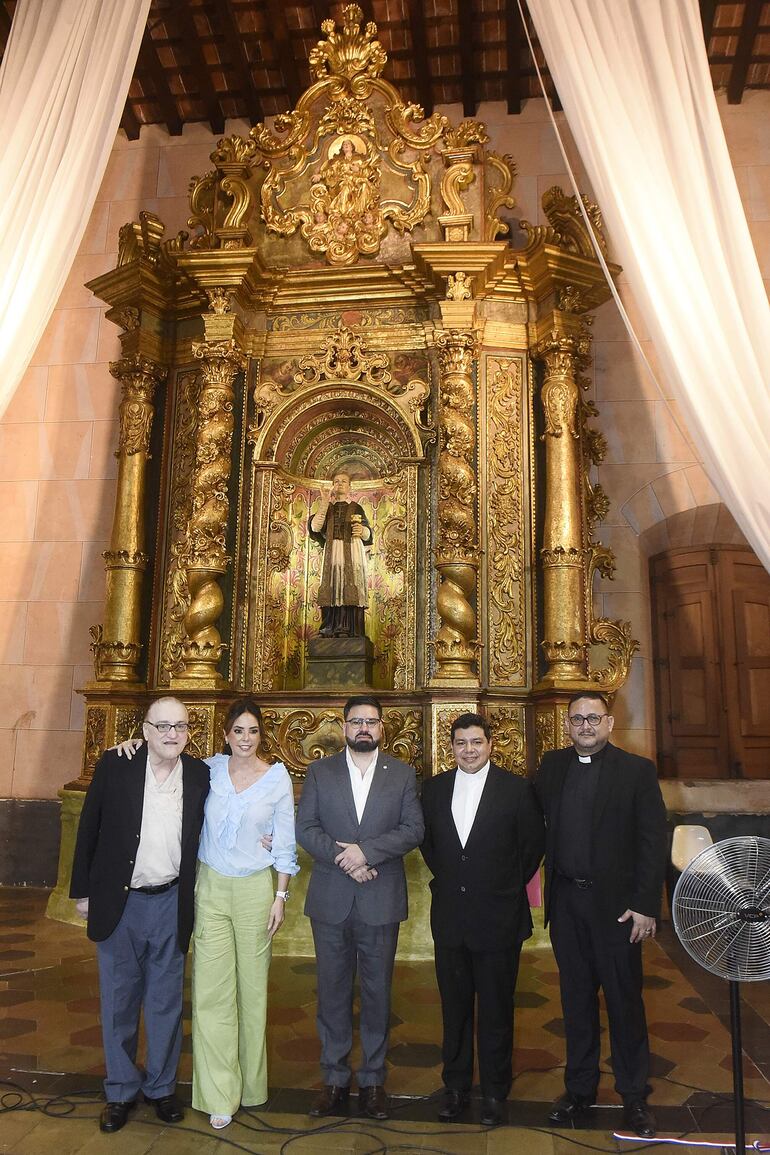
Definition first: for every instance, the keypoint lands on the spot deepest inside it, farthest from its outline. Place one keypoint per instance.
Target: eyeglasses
(591, 719)
(165, 727)
(366, 723)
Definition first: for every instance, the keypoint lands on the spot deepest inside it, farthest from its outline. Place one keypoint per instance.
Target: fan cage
(721, 909)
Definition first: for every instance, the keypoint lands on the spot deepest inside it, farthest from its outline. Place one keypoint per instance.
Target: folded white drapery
(63, 85)
(634, 81)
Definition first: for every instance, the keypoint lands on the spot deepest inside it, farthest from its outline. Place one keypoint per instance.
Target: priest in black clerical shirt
(604, 868)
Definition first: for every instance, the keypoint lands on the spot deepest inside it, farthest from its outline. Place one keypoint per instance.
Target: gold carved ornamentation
(442, 718)
(456, 642)
(350, 53)
(328, 186)
(177, 600)
(299, 737)
(126, 318)
(219, 300)
(203, 554)
(509, 746)
(564, 350)
(545, 733)
(141, 238)
(277, 498)
(505, 524)
(200, 741)
(95, 742)
(612, 637)
(221, 200)
(117, 644)
(343, 357)
(459, 287)
(128, 722)
(403, 734)
(566, 226)
(498, 195)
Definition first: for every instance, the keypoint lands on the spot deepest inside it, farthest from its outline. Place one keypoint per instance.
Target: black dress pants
(592, 954)
(488, 978)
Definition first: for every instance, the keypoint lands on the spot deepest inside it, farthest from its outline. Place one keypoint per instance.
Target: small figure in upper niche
(341, 527)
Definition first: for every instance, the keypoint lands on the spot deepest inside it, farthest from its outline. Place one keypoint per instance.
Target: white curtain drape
(63, 84)
(634, 81)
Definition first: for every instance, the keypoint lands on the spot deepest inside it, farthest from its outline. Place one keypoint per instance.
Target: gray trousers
(342, 949)
(141, 966)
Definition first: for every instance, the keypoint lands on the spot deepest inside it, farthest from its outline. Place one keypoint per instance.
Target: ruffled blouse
(235, 822)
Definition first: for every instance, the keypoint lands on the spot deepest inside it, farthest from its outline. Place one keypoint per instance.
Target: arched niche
(300, 443)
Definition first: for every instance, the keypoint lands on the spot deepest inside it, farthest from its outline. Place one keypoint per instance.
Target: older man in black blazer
(604, 864)
(358, 816)
(484, 839)
(134, 876)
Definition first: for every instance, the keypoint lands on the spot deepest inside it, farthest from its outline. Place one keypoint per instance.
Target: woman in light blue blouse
(250, 806)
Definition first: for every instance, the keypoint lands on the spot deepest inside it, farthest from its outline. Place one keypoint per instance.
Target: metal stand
(735, 1031)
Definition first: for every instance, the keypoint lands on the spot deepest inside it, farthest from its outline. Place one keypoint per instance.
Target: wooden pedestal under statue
(339, 664)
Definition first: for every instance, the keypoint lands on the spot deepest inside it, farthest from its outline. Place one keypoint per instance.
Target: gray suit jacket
(390, 826)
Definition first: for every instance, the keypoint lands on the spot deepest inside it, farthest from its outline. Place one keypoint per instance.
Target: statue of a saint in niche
(341, 527)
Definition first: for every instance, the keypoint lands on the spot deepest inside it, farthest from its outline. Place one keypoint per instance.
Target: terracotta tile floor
(50, 1045)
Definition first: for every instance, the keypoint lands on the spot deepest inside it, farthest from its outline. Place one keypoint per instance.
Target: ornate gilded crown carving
(350, 52)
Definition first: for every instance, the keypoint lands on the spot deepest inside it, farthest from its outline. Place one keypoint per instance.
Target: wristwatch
(284, 894)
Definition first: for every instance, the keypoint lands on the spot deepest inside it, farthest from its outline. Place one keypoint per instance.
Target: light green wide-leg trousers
(231, 960)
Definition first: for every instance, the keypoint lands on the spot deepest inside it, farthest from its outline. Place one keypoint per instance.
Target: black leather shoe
(373, 1101)
(638, 1117)
(491, 1112)
(568, 1108)
(455, 1103)
(114, 1116)
(332, 1101)
(167, 1108)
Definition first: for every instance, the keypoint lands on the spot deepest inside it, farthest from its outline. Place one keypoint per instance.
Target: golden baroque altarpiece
(349, 296)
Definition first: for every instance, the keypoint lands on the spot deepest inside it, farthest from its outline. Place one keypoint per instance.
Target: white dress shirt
(160, 842)
(360, 783)
(465, 799)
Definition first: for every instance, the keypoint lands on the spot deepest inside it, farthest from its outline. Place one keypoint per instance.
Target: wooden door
(711, 641)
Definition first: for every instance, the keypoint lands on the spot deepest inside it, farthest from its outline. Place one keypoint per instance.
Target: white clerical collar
(581, 758)
(479, 774)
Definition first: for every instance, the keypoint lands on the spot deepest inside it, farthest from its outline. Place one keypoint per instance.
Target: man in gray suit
(358, 816)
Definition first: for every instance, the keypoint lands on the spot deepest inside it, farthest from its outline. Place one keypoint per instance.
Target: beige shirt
(160, 843)
(361, 783)
(465, 800)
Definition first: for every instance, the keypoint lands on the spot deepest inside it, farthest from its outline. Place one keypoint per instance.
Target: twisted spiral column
(203, 554)
(457, 547)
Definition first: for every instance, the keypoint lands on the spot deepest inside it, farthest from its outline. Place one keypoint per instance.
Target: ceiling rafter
(467, 76)
(239, 60)
(420, 51)
(200, 68)
(751, 14)
(514, 37)
(151, 63)
(286, 60)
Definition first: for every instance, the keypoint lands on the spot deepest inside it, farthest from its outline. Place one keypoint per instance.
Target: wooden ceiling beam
(129, 122)
(239, 60)
(708, 11)
(513, 39)
(150, 62)
(197, 60)
(420, 55)
(751, 13)
(282, 40)
(468, 79)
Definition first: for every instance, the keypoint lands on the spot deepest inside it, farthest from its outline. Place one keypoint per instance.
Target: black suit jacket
(108, 835)
(628, 848)
(478, 891)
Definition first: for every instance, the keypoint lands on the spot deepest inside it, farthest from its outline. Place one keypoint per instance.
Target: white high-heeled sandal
(218, 1122)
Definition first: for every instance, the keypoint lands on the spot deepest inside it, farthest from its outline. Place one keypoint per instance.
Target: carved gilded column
(564, 352)
(457, 545)
(203, 556)
(117, 643)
